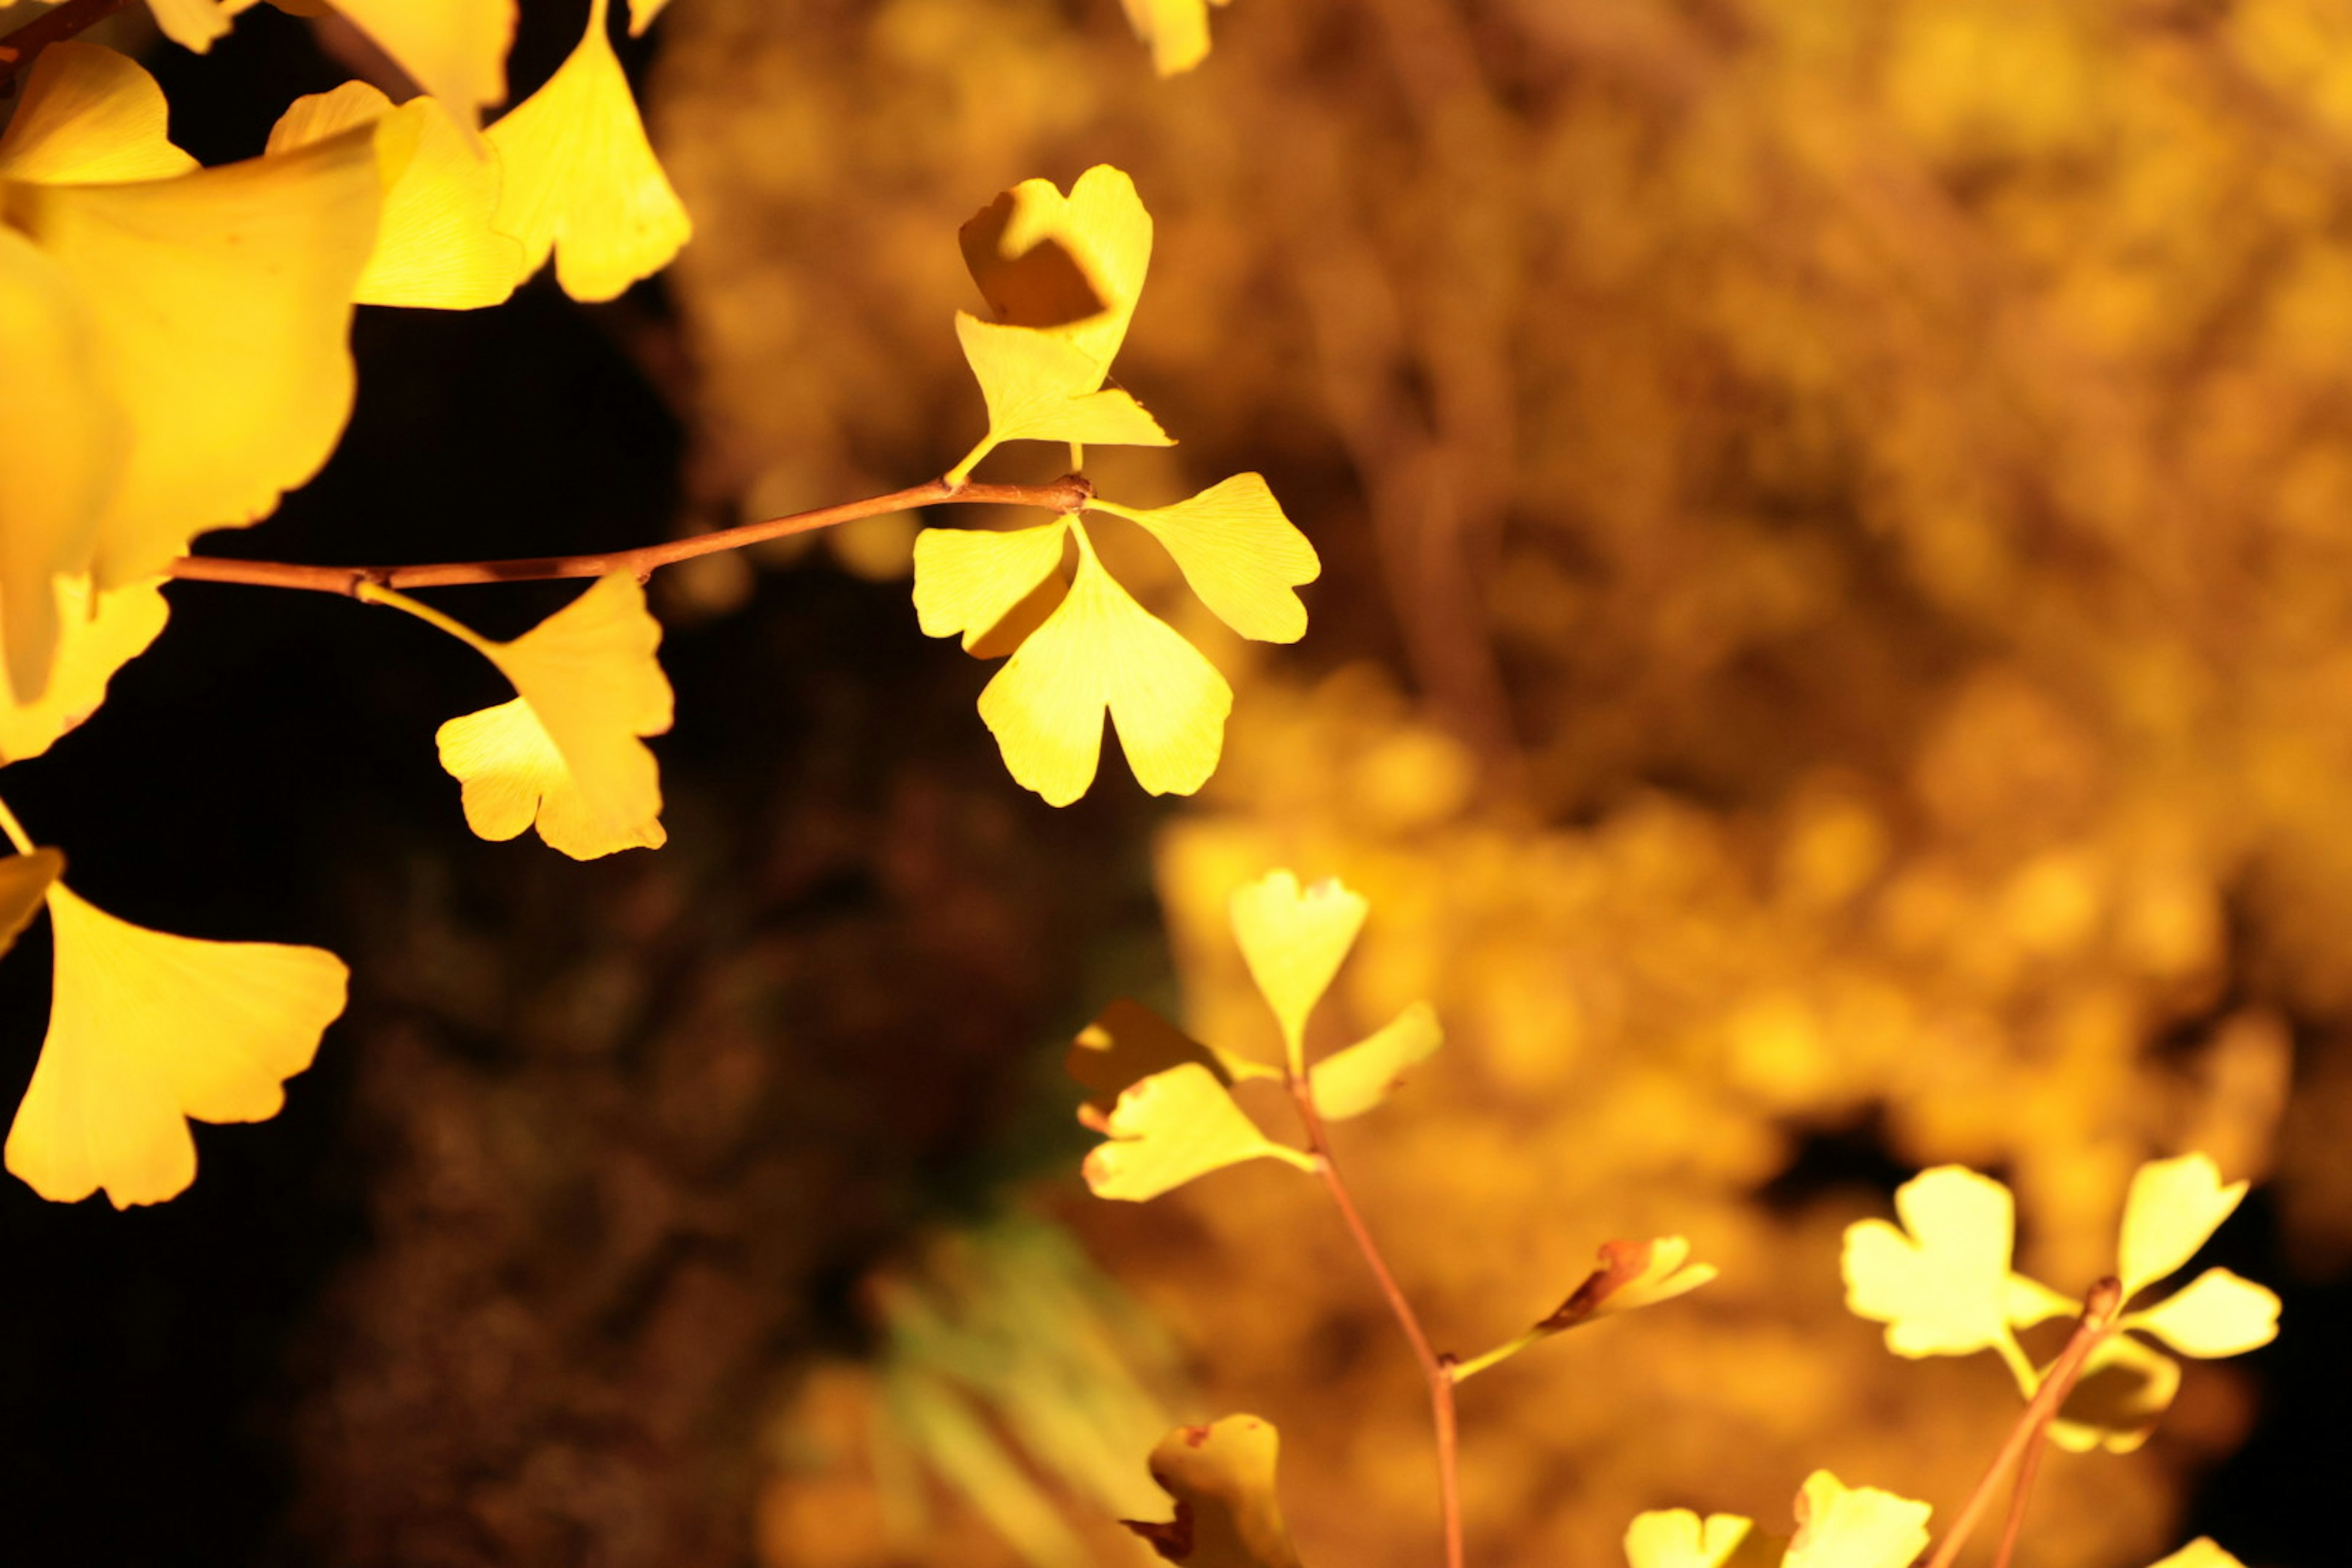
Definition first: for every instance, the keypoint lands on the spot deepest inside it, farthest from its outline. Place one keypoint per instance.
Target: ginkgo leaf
(2028, 1302)
(1176, 30)
(1128, 1043)
(1041, 387)
(1100, 651)
(195, 24)
(1071, 267)
(2125, 1389)
(98, 634)
(221, 301)
(1238, 552)
(25, 882)
(2216, 1314)
(2174, 1205)
(1678, 1538)
(2201, 1553)
(1942, 1289)
(454, 49)
(1171, 1126)
(1293, 939)
(89, 116)
(146, 1030)
(435, 246)
(54, 402)
(968, 580)
(1227, 1514)
(642, 14)
(582, 181)
(567, 752)
(1631, 1274)
(1349, 1082)
(1855, 1527)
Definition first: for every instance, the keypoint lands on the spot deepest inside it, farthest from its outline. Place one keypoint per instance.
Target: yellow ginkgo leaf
(968, 580)
(2201, 1553)
(1040, 387)
(1631, 1274)
(567, 752)
(582, 181)
(147, 1030)
(455, 50)
(89, 116)
(61, 415)
(1071, 267)
(221, 302)
(1176, 30)
(1347, 1083)
(1293, 939)
(1855, 1527)
(1128, 1043)
(2125, 1389)
(2172, 1208)
(1171, 1126)
(435, 246)
(1223, 1478)
(1101, 650)
(1678, 1538)
(1240, 554)
(25, 882)
(98, 634)
(2216, 1314)
(195, 24)
(642, 14)
(1944, 1287)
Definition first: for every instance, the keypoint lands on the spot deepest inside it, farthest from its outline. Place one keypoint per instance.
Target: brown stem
(1065, 495)
(2097, 1321)
(2028, 1470)
(1436, 1370)
(21, 47)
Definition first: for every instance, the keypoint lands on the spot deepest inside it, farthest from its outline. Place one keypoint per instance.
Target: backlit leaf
(1227, 1514)
(435, 246)
(1100, 651)
(2201, 1553)
(2125, 1388)
(1943, 1287)
(454, 49)
(1072, 266)
(1855, 1527)
(1631, 1274)
(582, 181)
(25, 881)
(98, 634)
(1129, 1042)
(1349, 1082)
(968, 580)
(1171, 1128)
(2215, 1314)
(1678, 1538)
(148, 1029)
(1041, 387)
(1293, 939)
(1177, 31)
(89, 116)
(1240, 554)
(2172, 1208)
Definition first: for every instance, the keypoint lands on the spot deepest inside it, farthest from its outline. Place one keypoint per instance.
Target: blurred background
(1835, 656)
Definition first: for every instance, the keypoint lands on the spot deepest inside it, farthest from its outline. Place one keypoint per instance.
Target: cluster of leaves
(1944, 1285)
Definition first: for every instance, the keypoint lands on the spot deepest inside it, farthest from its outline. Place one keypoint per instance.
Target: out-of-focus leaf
(943, 1425)
(1678, 1538)
(2125, 1389)
(455, 50)
(1227, 1514)
(1176, 30)
(1171, 1128)
(2172, 1208)
(88, 115)
(1347, 1083)
(2216, 1314)
(1940, 1284)
(2201, 1553)
(1855, 1527)
(1293, 939)
(1631, 1274)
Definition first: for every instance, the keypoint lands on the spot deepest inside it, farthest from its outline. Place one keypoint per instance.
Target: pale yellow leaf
(1631, 1274)
(1101, 650)
(642, 14)
(2124, 1390)
(1347, 1083)
(435, 246)
(968, 580)
(89, 116)
(25, 881)
(582, 181)
(194, 24)
(146, 1030)
(2172, 1208)
(1071, 267)
(1038, 387)
(1170, 1128)
(2216, 1314)
(1176, 30)
(1854, 1527)
(221, 302)
(1129, 1042)
(1944, 1287)
(1293, 939)
(1227, 1513)
(2201, 1553)
(1678, 1538)
(1240, 554)
(455, 50)
(98, 634)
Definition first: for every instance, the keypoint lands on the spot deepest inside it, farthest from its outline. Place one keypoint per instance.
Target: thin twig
(1067, 494)
(1436, 1369)
(2096, 1323)
(23, 46)
(2029, 1469)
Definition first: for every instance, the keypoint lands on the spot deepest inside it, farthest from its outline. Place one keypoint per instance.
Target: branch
(21, 47)
(1065, 495)
(1436, 1370)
